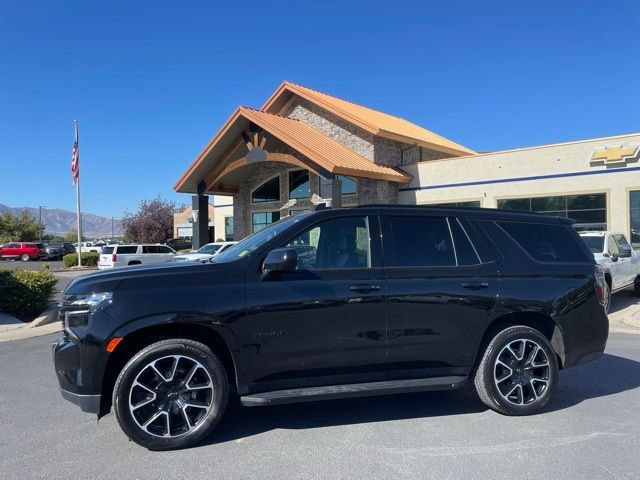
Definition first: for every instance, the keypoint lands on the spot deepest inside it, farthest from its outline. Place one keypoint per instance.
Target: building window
(634, 204)
(263, 219)
(348, 186)
(267, 192)
(473, 203)
(228, 229)
(299, 184)
(589, 211)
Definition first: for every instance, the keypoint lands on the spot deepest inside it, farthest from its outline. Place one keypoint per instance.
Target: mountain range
(59, 222)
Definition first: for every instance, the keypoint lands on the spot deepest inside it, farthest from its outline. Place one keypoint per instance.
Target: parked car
(205, 252)
(88, 247)
(621, 263)
(124, 255)
(453, 295)
(180, 243)
(24, 251)
(57, 250)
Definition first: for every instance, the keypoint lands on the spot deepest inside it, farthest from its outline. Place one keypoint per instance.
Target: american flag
(75, 160)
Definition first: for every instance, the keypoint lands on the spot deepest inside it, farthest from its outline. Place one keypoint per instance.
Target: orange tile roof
(328, 153)
(324, 151)
(373, 121)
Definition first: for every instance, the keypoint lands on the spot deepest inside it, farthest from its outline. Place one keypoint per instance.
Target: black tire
(636, 287)
(134, 262)
(25, 257)
(535, 393)
(188, 351)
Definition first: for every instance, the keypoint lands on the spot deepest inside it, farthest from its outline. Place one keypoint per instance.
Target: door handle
(475, 285)
(364, 288)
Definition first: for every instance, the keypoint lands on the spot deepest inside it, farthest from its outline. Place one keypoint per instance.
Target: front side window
(612, 246)
(299, 184)
(421, 242)
(267, 192)
(335, 243)
(263, 219)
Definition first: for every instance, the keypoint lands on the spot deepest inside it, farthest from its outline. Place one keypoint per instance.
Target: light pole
(40, 222)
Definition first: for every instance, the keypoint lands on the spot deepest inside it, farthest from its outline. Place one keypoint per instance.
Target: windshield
(211, 248)
(252, 242)
(595, 244)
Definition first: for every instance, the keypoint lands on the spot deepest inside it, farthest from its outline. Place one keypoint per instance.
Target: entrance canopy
(249, 137)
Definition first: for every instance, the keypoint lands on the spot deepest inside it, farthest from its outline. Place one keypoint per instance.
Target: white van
(124, 255)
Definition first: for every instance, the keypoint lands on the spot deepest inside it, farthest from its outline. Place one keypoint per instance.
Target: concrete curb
(22, 333)
(50, 315)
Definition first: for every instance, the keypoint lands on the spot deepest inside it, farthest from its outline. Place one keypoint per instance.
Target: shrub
(24, 293)
(88, 259)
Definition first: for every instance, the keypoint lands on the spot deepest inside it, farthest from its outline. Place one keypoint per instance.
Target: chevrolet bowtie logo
(614, 155)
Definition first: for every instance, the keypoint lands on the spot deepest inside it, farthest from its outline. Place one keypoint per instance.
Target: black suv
(338, 303)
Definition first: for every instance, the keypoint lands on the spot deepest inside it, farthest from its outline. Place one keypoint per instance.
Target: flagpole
(78, 211)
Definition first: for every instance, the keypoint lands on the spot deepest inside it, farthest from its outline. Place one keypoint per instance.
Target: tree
(152, 223)
(72, 237)
(22, 227)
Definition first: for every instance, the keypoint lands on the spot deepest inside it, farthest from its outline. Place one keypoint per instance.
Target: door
(616, 265)
(12, 250)
(442, 283)
(324, 323)
(627, 266)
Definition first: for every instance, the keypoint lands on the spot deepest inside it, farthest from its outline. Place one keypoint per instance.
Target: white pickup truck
(620, 261)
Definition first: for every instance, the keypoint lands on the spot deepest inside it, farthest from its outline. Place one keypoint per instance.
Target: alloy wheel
(522, 372)
(171, 396)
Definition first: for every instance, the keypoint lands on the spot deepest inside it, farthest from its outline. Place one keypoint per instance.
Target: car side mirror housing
(280, 260)
(625, 250)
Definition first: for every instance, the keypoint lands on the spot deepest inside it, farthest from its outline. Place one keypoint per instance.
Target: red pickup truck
(25, 251)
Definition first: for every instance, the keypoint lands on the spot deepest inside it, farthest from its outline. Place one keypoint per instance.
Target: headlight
(77, 308)
(87, 303)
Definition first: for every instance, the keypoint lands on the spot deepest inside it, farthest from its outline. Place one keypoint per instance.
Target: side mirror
(614, 257)
(280, 260)
(625, 250)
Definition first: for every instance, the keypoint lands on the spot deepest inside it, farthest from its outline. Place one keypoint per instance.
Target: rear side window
(149, 249)
(30, 245)
(421, 241)
(107, 250)
(545, 242)
(127, 249)
(465, 253)
(163, 249)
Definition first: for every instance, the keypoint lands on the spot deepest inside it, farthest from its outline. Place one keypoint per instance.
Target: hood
(109, 280)
(193, 256)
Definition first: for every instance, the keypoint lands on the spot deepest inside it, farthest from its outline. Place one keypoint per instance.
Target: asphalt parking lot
(592, 430)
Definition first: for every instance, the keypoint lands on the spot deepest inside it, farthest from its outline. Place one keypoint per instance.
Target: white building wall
(561, 169)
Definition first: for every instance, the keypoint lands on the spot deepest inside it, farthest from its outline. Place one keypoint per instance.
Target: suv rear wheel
(518, 373)
(171, 394)
(25, 257)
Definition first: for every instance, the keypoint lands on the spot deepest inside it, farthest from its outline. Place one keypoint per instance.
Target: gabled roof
(319, 148)
(372, 121)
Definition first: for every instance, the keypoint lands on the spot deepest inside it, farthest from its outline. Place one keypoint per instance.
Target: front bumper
(87, 403)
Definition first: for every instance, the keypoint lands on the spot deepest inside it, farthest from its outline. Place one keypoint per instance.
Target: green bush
(24, 293)
(88, 259)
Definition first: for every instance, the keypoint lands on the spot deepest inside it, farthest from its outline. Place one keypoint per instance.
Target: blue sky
(151, 82)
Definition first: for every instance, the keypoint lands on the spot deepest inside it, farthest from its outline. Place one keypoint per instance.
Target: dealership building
(304, 147)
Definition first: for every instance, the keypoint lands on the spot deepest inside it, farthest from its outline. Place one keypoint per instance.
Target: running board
(331, 392)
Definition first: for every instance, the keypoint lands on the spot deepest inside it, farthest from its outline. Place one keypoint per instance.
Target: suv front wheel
(518, 373)
(171, 394)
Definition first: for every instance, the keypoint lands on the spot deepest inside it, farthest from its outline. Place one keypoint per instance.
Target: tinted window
(163, 249)
(127, 249)
(299, 184)
(267, 192)
(149, 249)
(259, 220)
(546, 243)
(335, 243)
(595, 244)
(421, 241)
(465, 253)
(348, 186)
(30, 245)
(107, 250)
(479, 240)
(612, 246)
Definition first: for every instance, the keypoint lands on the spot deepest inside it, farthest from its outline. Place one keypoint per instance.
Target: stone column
(336, 192)
(200, 203)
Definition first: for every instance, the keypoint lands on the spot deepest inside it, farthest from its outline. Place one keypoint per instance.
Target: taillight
(601, 284)
(113, 258)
